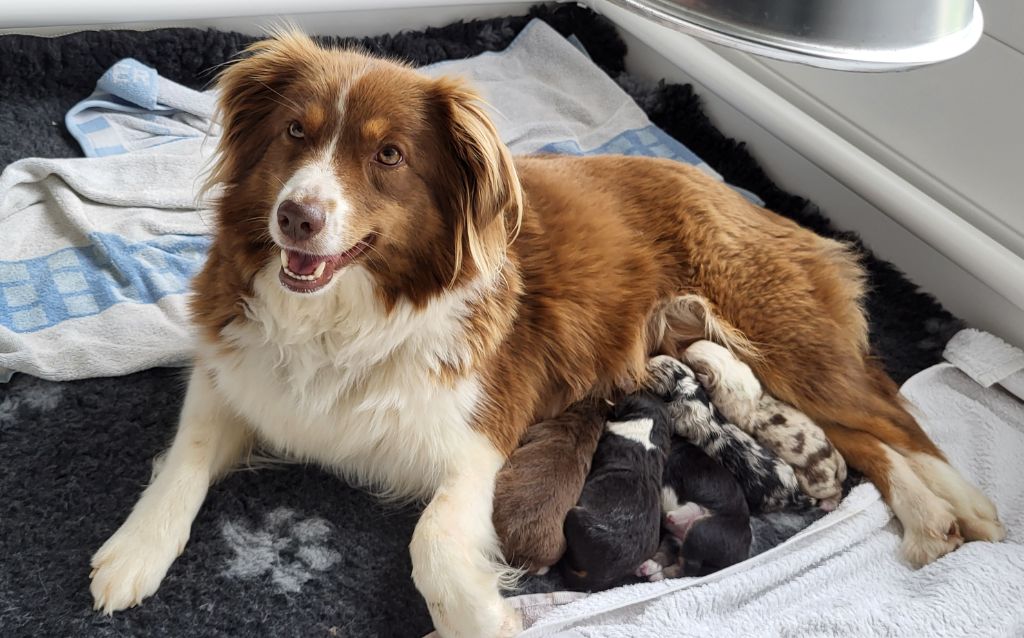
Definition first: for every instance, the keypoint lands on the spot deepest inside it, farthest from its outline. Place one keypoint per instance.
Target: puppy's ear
(250, 90)
(480, 188)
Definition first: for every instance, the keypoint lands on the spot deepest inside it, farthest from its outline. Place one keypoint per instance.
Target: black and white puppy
(768, 483)
(705, 510)
(616, 525)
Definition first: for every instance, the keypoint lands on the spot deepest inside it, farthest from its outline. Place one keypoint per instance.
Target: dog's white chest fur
(334, 379)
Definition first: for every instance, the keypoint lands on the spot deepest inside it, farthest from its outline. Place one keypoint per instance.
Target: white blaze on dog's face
(330, 158)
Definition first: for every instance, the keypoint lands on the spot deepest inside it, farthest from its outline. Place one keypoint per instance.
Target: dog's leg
(833, 382)
(131, 564)
(881, 413)
(976, 514)
(930, 528)
(455, 554)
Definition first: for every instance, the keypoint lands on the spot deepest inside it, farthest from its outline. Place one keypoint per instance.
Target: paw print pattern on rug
(29, 399)
(292, 551)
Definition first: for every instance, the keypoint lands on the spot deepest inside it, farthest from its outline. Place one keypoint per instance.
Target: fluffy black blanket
(289, 550)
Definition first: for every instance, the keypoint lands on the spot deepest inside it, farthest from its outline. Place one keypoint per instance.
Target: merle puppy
(768, 483)
(615, 527)
(737, 394)
(706, 517)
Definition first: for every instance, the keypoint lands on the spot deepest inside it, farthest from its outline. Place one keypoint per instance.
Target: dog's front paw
(497, 620)
(129, 567)
(512, 625)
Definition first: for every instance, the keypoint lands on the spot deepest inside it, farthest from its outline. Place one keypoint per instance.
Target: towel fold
(988, 360)
(133, 108)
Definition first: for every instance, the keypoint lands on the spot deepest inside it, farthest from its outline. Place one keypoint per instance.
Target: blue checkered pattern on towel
(77, 282)
(650, 141)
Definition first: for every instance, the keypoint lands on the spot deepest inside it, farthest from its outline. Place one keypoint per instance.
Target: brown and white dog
(390, 294)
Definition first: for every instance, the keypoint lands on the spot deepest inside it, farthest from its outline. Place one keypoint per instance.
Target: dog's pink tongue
(302, 264)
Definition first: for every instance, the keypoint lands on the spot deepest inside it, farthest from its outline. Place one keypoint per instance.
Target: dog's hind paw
(921, 547)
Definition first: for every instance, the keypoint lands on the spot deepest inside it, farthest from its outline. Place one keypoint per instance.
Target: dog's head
(330, 158)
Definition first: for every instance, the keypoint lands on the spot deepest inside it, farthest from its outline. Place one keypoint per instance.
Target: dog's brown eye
(389, 156)
(295, 130)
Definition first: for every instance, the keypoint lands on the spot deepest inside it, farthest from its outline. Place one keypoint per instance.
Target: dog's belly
(391, 426)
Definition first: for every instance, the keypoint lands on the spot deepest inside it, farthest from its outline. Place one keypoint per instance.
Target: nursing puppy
(767, 482)
(541, 482)
(706, 509)
(706, 518)
(390, 294)
(735, 391)
(615, 527)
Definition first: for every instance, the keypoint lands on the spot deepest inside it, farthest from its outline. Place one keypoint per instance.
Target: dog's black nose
(300, 221)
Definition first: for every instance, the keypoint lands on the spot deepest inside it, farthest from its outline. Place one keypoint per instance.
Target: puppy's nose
(300, 221)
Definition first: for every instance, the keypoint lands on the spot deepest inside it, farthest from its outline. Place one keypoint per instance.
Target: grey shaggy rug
(287, 550)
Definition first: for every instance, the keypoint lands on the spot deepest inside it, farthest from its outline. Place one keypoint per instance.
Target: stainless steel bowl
(856, 35)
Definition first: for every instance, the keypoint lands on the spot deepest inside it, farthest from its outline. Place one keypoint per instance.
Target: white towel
(842, 576)
(988, 360)
(95, 260)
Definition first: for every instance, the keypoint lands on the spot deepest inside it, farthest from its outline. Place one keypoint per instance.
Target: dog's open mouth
(302, 272)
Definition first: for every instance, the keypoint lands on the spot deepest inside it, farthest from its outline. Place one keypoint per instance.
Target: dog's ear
(481, 189)
(249, 91)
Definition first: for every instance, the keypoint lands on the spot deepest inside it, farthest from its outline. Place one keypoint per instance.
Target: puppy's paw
(663, 375)
(940, 536)
(828, 504)
(649, 569)
(129, 567)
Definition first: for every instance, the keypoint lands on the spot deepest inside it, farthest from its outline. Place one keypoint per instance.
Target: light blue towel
(98, 252)
(134, 108)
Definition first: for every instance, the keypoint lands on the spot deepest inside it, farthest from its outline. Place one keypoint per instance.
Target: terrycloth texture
(842, 576)
(86, 445)
(95, 277)
(988, 360)
(96, 259)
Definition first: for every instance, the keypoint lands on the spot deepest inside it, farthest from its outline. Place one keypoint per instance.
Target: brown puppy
(391, 294)
(541, 481)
